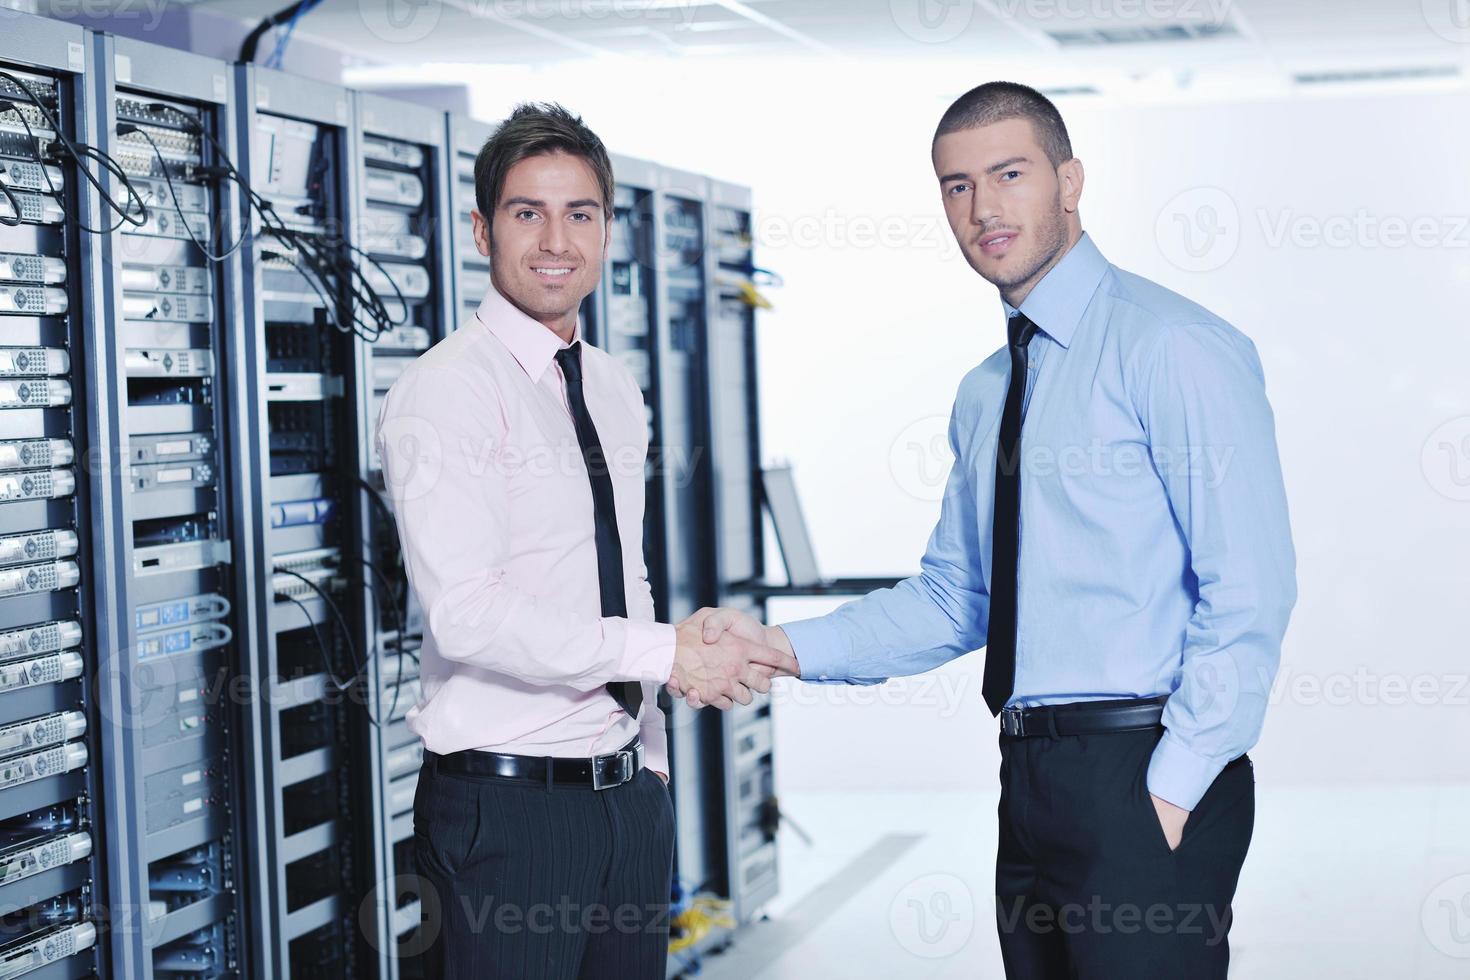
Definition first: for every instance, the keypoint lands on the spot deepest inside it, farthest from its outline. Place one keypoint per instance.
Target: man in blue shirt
(1114, 532)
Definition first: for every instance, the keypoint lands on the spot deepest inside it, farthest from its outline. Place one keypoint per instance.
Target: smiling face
(1013, 213)
(546, 238)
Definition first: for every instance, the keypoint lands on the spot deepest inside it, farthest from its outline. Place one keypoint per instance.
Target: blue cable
(275, 60)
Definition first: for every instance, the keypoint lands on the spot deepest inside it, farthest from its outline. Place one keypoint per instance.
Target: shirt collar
(1057, 302)
(531, 343)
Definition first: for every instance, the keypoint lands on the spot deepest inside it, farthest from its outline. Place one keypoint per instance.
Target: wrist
(777, 639)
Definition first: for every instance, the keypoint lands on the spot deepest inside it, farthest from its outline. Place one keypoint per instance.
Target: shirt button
(822, 677)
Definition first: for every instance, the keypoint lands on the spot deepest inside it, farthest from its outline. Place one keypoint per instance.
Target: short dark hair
(996, 101)
(534, 128)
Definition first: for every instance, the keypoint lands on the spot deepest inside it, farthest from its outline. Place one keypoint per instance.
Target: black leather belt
(599, 772)
(1083, 717)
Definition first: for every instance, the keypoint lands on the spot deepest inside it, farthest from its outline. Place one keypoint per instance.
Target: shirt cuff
(1179, 776)
(655, 742)
(820, 649)
(648, 652)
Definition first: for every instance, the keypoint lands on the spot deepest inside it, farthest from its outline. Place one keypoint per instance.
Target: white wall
(1363, 337)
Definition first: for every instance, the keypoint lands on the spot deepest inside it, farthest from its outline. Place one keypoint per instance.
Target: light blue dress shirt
(1156, 555)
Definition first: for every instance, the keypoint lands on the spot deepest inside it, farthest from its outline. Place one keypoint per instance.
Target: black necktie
(628, 694)
(1000, 648)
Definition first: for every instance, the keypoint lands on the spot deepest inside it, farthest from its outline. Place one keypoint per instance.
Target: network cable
(123, 129)
(78, 152)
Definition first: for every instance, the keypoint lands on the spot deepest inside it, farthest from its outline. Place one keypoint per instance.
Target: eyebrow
(531, 202)
(993, 168)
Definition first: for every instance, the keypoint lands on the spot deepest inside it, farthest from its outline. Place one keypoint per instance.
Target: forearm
(916, 626)
(495, 626)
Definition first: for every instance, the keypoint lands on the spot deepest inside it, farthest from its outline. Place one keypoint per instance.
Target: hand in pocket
(1171, 819)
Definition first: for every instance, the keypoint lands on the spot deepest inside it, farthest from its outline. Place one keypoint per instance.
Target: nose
(553, 237)
(984, 205)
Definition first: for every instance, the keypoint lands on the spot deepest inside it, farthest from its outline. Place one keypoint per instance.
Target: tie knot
(1019, 330)
(570, 359)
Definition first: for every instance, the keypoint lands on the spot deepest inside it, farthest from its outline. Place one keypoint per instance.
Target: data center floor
(1342, 881)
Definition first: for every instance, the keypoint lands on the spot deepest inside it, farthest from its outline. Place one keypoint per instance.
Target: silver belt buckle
(625, 758)
(1010, 721)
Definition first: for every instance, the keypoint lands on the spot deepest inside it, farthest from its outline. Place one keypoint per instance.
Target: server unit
(55, 688)
(305, 400)
(403, 198)
(171, 326)
(471, 270)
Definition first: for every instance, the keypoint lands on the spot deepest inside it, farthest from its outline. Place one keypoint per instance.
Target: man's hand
(718, 623)
(1171, 818)
(726, 670)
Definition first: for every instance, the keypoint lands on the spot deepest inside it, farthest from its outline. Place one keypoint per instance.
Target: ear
(1070, 176)
(481, 226)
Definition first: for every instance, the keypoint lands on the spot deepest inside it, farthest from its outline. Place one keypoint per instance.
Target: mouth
(551, 273)
(997, 242)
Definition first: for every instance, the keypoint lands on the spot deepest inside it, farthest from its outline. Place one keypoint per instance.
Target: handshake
(723, 655)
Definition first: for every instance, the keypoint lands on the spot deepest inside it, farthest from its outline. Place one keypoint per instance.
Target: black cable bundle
(325, 262)
(78, 152)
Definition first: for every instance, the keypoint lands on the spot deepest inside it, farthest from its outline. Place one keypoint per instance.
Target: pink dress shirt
(495, 516)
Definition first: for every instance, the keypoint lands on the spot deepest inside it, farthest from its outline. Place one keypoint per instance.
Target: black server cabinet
(401, 227)
(751, 813)
(304, 399)
(56, 691)
(471, 270)
(171, 334)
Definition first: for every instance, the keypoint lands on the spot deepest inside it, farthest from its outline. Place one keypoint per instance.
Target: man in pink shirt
(514, 454)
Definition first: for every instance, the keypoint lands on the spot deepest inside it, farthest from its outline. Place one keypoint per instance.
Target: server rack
(171, 325)
(56, 691)
(751, 815)
(401, 223)
(671, 307)
(304, 397)
(471, 270)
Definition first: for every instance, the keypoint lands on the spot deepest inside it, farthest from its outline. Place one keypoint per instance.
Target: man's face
(1006, 204)
(549, 233)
